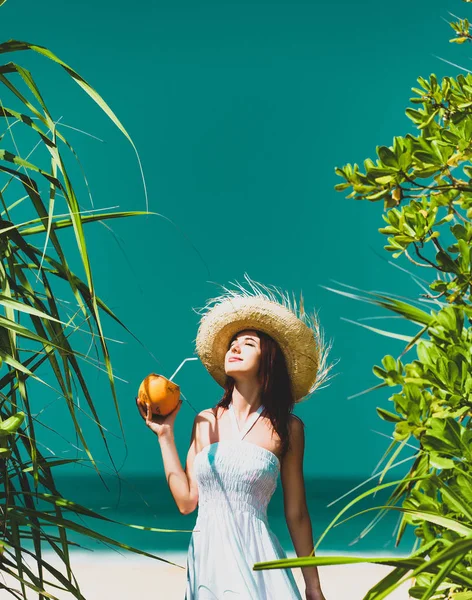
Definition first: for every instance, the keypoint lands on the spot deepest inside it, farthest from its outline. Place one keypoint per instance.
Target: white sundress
(236, 479)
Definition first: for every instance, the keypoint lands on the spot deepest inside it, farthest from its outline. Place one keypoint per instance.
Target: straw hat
(271, 311)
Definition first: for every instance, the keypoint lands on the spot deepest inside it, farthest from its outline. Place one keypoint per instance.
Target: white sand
(109, 575)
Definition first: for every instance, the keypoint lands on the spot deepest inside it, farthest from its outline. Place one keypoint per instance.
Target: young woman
(267, 355)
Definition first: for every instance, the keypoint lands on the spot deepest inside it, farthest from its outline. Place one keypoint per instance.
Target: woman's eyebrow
(248, 337)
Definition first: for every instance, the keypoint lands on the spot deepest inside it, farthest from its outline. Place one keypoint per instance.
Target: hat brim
(295, 339)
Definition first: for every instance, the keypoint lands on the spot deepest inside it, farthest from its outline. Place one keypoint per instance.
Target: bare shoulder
(201, 423)
(210, 411)
(207, 413)
(296, 426)
(296, 434)
(206, 416)
(204, 424)
(293, 459)
(214, 412)
(293, 483)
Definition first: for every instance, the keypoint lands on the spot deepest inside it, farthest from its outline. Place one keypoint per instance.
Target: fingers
(146, 412)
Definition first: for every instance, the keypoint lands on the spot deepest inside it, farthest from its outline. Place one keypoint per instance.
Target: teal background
(240, 112)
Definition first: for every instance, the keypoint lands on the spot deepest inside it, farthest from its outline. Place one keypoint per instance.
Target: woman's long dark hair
(276, 390)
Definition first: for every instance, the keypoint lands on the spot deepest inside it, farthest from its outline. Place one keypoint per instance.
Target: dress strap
(249, 423)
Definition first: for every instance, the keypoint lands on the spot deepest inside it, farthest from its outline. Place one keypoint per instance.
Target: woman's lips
(233, 359)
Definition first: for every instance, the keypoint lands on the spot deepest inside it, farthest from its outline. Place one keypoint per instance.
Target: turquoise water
(147, 501)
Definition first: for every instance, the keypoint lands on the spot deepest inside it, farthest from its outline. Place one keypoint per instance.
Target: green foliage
(36, 331)
(419, 214)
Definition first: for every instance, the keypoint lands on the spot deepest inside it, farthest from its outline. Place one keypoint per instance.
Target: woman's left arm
(295, 507)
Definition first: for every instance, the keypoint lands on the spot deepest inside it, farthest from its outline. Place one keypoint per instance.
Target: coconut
(159, 393)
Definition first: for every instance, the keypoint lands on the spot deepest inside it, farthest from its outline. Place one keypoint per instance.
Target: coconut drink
(159, 393)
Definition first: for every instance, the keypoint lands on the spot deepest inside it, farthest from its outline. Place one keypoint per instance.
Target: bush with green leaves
(424, 182)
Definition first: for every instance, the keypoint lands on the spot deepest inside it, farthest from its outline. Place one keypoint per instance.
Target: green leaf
(446, 262)
(440, 462)
(406, 310)
(425, 173)
(390, 334)
(459, 231)
(388, 416)
(385, 180)
(415, 115)
(427, 158)
(387, 157)
(377, 195)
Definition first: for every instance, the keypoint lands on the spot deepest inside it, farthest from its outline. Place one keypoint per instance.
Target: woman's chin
(232, 372)
(234, 369)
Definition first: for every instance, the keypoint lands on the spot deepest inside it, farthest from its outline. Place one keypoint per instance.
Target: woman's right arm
(182, 484)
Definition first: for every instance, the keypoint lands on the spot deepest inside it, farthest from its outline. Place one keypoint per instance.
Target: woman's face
(243, 356)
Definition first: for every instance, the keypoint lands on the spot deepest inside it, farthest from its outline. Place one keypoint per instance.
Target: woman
(267, 355)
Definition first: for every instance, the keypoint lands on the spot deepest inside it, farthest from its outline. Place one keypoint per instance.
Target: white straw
(180, 366)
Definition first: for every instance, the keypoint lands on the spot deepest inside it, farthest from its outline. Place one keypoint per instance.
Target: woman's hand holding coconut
(158, 424)
(159, 402)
